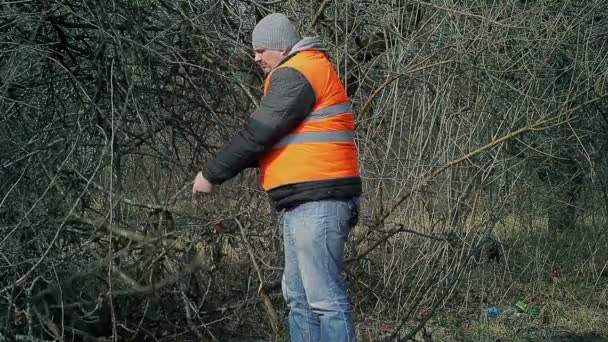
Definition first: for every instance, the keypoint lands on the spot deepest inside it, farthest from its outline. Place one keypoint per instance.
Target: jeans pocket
(354, 206)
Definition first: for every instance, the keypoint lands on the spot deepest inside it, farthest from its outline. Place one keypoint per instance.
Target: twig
(28, 306)
(191, 324)
(21, 338)
(138, 289)
(319, 13)
(418, 67)
(234, 306)
(537, 126)
(55, 236)
(122, 199)
(129, 234)
(480, 17)
(398, 229)
(272, 315)
(456, 277)
(240, 84)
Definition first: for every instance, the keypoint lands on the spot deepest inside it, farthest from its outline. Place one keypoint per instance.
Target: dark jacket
(288, 101)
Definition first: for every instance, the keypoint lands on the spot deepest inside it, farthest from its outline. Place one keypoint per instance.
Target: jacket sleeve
(288, 100)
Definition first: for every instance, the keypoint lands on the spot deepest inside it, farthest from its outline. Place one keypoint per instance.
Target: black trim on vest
(290, 195)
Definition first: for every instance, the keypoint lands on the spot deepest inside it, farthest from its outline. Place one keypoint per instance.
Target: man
(301, 137)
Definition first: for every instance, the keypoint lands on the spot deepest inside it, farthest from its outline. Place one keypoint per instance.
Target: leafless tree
(471, 118)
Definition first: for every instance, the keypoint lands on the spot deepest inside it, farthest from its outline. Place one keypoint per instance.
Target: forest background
(482, 128)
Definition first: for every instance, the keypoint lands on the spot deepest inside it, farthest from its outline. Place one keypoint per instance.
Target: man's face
(269, 59)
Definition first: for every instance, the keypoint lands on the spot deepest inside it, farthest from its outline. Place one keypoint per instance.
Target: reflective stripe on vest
(340, 108)
(309, 137)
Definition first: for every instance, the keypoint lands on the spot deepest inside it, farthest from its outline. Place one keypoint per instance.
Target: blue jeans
(314, 234)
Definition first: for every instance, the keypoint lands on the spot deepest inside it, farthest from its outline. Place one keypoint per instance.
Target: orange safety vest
(322, 147)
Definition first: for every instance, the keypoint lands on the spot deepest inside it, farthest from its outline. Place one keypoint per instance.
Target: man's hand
(201, 184)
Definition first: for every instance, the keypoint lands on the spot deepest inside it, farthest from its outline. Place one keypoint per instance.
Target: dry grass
(563, 275)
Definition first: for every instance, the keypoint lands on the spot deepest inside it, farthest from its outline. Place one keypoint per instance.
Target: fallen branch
(129, 234)
(398, 229)
(272, 314)
(194, 266)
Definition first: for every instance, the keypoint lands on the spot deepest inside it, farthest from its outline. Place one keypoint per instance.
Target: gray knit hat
(275, 32)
